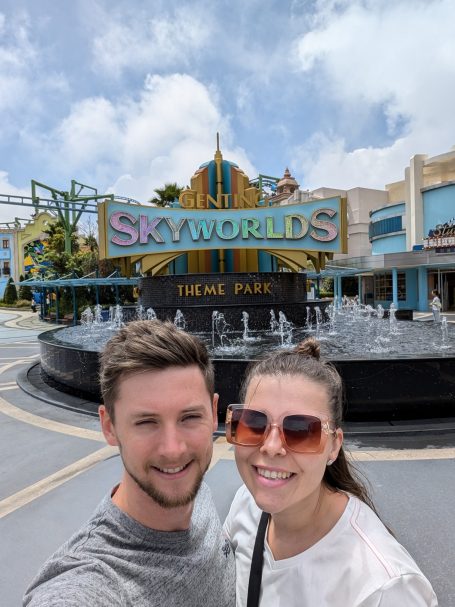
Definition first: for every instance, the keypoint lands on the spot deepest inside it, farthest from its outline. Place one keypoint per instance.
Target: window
(388, 225)
(6, 268)
(6, 244)
(383, 289)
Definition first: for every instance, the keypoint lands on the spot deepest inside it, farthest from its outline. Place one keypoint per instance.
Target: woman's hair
(304, 361)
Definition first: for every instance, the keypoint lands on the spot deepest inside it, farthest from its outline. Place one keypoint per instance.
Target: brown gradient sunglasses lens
(302, 433)
(248, 426)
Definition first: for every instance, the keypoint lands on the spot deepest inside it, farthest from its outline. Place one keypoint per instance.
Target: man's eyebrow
(197, 408)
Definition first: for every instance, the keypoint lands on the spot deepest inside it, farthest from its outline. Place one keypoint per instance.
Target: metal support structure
(69, 205)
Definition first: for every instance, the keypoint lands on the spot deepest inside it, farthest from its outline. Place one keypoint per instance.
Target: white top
(436, 303)
(357, 564)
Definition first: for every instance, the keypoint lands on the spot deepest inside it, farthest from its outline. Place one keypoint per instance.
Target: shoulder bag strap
(254, 585)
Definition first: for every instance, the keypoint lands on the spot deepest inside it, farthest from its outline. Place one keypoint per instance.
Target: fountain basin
(377, 387)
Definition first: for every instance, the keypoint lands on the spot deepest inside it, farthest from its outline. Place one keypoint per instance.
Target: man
(156, 538)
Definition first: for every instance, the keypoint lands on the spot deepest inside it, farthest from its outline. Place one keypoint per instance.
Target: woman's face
(299, 483)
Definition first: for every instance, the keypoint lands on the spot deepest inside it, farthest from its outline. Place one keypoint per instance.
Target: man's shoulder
(79, 569)
(68, 580)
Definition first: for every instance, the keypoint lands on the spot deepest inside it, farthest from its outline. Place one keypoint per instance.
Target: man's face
(164, 422)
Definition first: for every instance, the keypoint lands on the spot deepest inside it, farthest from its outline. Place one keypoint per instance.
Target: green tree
(168, 193)
(25, 291)
(10, 296)
(56, 238)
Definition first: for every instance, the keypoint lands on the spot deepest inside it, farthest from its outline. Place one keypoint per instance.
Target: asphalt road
(55, 467)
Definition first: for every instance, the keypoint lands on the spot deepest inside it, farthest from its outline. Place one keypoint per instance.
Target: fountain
(391, 369)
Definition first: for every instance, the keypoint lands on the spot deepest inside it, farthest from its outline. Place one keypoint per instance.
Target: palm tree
(168, 193)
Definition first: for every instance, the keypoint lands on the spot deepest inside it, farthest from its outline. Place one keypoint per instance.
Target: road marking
(20, 361)
(47, 424)
(3, 388)
(222, 450)
(403, 454)
(32, 492)
(15, 345)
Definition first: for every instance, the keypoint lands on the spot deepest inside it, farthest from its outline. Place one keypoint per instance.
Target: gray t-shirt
(115, 561)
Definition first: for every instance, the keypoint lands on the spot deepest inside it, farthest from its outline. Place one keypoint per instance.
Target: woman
(436, 306)
(324, 544)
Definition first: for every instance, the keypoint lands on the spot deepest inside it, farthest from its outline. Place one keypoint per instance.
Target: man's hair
(148, 345)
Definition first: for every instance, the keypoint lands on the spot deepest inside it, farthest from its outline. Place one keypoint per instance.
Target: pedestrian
(33, 305)
(155, 539)
(436, 305)
(303, 520)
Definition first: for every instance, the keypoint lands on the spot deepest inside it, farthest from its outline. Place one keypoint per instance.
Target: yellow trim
(344, 225)
(102, 230)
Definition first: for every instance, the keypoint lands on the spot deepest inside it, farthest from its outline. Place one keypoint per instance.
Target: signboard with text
(129, 230)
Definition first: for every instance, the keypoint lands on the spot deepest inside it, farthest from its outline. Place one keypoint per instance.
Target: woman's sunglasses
(300, 433)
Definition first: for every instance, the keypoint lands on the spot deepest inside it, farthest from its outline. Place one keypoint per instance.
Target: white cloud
(133, 146)
(141, 42)
(9, 212)
(17, 57)
(394, 56)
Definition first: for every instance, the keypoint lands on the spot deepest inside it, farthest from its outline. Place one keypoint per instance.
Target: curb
(29, 380)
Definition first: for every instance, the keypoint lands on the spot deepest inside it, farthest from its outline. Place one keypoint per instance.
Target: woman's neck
(289, 535)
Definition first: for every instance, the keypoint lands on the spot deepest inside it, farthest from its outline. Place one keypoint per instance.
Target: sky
(127, 95)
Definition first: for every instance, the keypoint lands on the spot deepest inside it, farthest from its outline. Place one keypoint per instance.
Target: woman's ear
(337, 441)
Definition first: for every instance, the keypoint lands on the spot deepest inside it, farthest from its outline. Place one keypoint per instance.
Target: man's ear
(215, 411)
(107, 426)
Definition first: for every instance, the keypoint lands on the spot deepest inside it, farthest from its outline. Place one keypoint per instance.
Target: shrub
(10, 296)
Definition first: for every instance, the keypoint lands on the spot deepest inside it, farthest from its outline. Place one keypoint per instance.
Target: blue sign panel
(141, 230)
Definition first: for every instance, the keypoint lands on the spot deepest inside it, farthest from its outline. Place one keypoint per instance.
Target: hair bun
(309, 347)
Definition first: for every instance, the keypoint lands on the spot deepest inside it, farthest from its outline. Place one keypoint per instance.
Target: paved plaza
(55, 467)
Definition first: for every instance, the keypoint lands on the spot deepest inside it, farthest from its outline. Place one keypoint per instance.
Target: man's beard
(164, 500)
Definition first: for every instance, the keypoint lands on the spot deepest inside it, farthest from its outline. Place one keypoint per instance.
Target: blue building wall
(389, 244)
(390, 211)
(385, 221)
(411, 291)
(6, 255)
(438, 206)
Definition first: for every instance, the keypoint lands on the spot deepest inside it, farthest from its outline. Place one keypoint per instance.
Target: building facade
(401, 240)
(22, 248)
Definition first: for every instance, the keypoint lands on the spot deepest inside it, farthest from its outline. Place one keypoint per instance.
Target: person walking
(436, 305)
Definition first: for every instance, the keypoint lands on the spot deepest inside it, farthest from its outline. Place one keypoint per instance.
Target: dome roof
(287, 183)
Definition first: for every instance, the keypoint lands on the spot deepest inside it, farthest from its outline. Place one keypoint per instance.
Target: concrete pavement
(55, 467)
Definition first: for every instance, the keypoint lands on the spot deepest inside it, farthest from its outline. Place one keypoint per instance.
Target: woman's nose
(274, 442)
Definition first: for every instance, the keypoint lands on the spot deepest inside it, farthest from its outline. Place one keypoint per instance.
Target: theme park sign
(441, 237)
(139, 230)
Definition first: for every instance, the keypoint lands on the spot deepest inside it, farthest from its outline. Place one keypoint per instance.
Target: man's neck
(134, 502)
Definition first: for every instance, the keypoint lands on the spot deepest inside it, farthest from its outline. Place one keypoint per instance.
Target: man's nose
(172, 443)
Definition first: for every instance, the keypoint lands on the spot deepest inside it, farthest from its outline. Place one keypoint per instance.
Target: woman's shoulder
(377, 543)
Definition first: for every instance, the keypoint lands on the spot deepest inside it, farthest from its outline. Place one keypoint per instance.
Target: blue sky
(125, 95)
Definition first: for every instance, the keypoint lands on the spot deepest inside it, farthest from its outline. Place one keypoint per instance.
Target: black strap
(254, 585)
